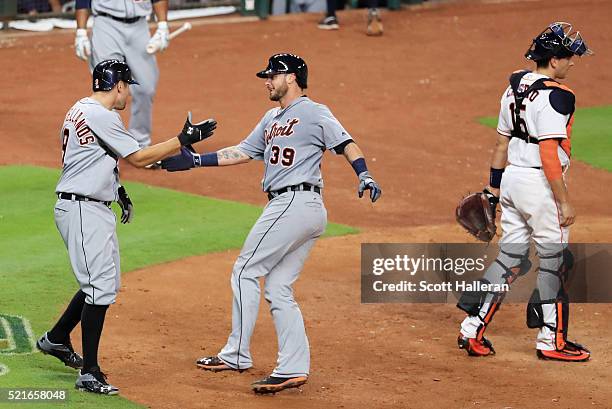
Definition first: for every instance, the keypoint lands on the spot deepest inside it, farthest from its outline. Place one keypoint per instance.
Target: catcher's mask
(108, 73)
(558, 41)
(285, 64)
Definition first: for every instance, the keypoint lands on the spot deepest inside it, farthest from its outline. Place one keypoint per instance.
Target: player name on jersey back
(538, 118)
(77, 118)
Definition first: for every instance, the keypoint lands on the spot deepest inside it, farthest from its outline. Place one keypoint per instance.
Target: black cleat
(214, 364)
(329, 23)
(63, 352)
(273, 384)
(95, 382)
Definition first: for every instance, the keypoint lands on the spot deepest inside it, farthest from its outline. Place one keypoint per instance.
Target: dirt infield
(410, 98)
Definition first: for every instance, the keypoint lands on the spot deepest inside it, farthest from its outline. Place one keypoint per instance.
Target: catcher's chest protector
(520, 92)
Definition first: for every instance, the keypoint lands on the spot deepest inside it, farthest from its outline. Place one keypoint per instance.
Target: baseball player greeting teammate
(535, 122)
(120, 31)
(291, 141)
(93, 138)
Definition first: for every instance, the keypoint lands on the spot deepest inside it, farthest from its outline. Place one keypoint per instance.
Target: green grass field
(35, 276)
(591, 136)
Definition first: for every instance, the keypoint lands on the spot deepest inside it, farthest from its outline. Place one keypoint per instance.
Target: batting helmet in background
(286, 64)
(557, 40)
(109, 72)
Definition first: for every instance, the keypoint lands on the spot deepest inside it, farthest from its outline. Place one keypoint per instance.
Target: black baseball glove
(193, 133)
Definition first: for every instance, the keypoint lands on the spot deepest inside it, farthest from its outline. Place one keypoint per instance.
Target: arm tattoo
(231, 153)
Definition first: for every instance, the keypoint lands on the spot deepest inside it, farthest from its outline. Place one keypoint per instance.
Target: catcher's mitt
(476, 213)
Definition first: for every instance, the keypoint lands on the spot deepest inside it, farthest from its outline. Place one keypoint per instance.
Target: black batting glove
(127, 208)
(185, 160)
(193, 133)
(366, 182)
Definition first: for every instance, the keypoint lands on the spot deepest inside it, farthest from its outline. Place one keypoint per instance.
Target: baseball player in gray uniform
(120, 31)
(291, 141)
(93, 139)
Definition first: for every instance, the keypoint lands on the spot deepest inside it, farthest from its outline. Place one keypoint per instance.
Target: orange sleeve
(566, 144)
(550, 159)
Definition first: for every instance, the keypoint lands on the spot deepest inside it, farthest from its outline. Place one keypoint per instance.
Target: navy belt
(127, 20)
(79, 198)
(300, 187)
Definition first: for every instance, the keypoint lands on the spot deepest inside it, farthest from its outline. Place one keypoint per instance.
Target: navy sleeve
(339, 149)
(82, 4)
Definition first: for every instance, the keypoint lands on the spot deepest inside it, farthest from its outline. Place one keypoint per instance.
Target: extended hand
(193, 133)
(367, 183)
(82, 46)
(127, 208)
(185, 160)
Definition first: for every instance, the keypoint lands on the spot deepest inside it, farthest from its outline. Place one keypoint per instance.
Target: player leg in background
(288, 221)
(127, 42)
(106, 39)
(330, 21)
(308, 6)
(146, 73)
(375, 26)
(511, 263)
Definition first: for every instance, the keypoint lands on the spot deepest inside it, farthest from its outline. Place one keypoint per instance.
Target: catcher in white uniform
(532, 154)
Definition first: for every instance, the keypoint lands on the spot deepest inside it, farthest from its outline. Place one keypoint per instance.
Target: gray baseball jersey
(91, 136)
(122, 8)
(291, 142)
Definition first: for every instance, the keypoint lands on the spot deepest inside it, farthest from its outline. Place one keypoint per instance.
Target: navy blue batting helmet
(109, 72)
(557, 40)
(285, 63)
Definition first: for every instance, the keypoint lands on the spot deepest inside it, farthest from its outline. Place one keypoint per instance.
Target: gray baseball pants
(88, 231)
(276, 249)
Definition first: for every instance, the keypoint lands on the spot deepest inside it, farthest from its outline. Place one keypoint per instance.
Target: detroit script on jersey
(291, 142)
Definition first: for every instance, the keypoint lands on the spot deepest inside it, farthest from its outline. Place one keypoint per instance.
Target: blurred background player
(121, 32)
(33, 7)
(330, 21)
